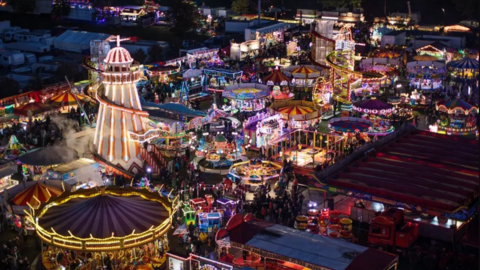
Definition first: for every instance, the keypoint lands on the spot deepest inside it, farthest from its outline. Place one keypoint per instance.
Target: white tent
(77, 41)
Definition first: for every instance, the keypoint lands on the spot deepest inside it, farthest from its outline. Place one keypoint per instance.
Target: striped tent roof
(39, 191)
(465, 63)
(305, 72)
(101, 216)
(295, 110)
(118, 55)
(454, 104)
(35, 108)
(276, 77)
(68, 99)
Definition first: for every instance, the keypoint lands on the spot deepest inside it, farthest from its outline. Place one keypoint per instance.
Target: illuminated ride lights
(111, 243)
(121, 122)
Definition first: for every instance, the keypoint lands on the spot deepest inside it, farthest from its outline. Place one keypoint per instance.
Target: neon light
(101, 130)
(111, 150)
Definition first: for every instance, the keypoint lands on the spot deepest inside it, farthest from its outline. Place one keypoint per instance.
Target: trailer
(11, 58)
(28, 47)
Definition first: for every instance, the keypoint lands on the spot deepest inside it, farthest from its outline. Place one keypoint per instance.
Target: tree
(240, 6)
(70, 70)
(464, 7)
(10, 87)
(354, 4)
(155, 54)
(23, 6)
(35, 83)
(183, 17)
(61, 8)
(140, 56)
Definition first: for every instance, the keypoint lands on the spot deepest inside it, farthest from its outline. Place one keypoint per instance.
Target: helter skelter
(121, 126)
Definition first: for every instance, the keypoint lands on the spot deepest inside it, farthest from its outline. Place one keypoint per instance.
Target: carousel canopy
(302, 72)
(465, 63)
(297, 110)
(373, 106)
(246, 91)
(276, 77)
(425, 57)
(456, 104)
(49, 155)
(349, 124)
(68, 99)
(34, 108)
(100, 216)
(36, 193)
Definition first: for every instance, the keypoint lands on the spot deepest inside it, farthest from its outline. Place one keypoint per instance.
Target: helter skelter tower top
(121, 126)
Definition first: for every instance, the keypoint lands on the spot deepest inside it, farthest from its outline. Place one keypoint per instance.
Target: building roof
(263, 25)
(309, 248)
(77, 41)
(425, 170)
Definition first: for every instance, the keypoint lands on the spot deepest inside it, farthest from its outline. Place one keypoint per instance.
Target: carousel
(378, 112)
(254, 172)
(297, 113)
(120, 226)
(246, 97)
(217, 153)
(172, 139)
(466, 68)
(458, 117)
(303, 77)
(279, 85)
(355, 130)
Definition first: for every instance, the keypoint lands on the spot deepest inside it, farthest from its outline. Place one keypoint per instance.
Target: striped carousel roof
(118, 55)
(276, 77)
(246, 91)
(295, 110)
(465, 63)
(68, 98)
(101, 216)
(305, 71)
(38, 191)
(457, 104)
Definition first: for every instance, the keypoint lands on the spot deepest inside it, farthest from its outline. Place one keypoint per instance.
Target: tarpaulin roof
(49, 155)
(100, 216)
(77, 41)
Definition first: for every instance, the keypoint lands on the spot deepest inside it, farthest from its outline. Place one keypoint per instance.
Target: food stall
(163, 74)
(240, 51)
(192, 84)
(378, 112)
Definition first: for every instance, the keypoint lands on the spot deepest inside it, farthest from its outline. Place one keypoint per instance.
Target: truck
(390, 231)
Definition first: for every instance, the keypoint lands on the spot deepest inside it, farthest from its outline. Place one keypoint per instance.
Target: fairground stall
(431, 51)
(279, 85)
(303, 77)
(29, 111)
(217, 79)
(195, 262)
(254, 172)
(386, 66)
(64, 225)
(378, 112)
(163, 74)
(354, 129)
(80, 173)
(7, 169)
(426, 75)
(172, 139)
(192, 84)
(466, 68)
(272, 246)
(246, 97)
(403, 111)
(261, 128)
(24, 197)
(36, 162)
(458, 117)
(247, 49)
